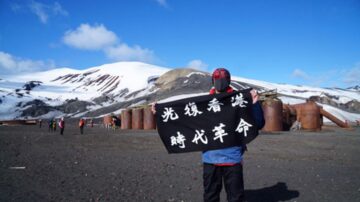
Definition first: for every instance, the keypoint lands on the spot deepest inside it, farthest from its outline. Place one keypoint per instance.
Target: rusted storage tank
(149, 119)
(298, 108)
(126, 119)
(272, 108)
(107, 120)
(137, 118)
(310, 116)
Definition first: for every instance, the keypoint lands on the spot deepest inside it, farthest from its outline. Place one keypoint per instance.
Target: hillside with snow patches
(109, 88)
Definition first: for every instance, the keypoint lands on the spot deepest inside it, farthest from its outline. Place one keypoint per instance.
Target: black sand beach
(106, 165)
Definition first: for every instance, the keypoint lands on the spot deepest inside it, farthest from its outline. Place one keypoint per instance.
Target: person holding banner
(220, 125)
(225, 165)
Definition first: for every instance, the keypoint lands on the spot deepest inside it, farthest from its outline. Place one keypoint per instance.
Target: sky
(300, 42)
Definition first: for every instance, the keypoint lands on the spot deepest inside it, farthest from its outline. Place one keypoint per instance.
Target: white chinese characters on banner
(214, 105)
(169, 113)
(243, 127)
(219, 132)
(191, 109)
(178, 140)
(200, 136)
(238, 100)
(206, 123)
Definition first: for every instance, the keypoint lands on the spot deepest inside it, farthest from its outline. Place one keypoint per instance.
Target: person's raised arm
(153, 109)
(257, 110)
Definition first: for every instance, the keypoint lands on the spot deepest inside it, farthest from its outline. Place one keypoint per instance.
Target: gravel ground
(106, 165)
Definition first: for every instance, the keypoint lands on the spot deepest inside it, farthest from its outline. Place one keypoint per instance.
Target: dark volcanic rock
(31, 85)
(74, 106)
(352, 106)
(35, 108)
(102, 99)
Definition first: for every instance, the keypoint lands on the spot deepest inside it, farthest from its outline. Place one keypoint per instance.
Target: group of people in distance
(53, 124)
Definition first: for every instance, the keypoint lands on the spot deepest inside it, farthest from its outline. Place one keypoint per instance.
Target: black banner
(206, 122)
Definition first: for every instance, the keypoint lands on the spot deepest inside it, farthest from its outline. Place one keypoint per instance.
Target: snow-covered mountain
(109, 88)
(57, 87)
(354, 88)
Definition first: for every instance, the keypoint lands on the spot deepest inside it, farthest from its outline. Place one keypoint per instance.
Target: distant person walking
(54, 124)
(81, 125)
(50, 125)
(40, 123)
(91, 123)
(62, 126)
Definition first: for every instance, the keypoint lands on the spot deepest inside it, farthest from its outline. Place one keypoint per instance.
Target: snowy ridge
(305, 91)
(75, 93)
(86, 84)
(59, 85)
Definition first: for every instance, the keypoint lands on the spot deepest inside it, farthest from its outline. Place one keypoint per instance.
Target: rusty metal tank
(149, 119)
(107, 120)
(273, 109)
(126, 119)
(310, 116)
(297, 108)
(137, 118)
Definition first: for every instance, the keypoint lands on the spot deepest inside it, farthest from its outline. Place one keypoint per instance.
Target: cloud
(298, 73)
(325, 78)
(43, 11)
(39, 10)
(98, 37)
(334, 77)
(352, 76)
(58, 10)
(162, 3)
(88, 37)
(197, 64)
(125, 52)
(10, 64)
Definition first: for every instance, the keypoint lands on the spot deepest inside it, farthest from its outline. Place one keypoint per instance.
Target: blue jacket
(233, 154)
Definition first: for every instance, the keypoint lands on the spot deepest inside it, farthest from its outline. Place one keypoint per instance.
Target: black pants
(233, 180)
(81, 129)
(61, 131)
